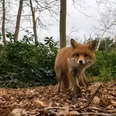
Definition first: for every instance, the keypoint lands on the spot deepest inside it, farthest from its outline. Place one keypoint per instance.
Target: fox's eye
(76, 54)
(86, 55)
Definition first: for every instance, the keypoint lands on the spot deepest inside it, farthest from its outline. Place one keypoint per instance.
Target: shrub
(23, 64)
(105, 66)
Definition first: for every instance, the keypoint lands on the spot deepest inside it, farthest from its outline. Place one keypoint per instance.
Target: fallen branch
(92, 113)
(91, 98)
(100, 109)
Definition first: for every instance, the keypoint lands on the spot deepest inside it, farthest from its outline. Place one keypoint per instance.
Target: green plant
(23, 64)
(105, 66)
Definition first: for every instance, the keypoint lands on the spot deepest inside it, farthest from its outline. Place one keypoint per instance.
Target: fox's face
(83, 54)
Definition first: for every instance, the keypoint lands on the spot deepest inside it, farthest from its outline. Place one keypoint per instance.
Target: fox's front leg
(82, 80)
(75, 85)
(59, 80)
(59, 86)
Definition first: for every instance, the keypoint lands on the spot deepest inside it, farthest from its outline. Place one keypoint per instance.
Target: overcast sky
(82, 18)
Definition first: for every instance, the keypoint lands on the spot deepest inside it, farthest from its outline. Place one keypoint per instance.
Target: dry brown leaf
(93, 87)
(104, 100)
(96, 100)
(73, 113)
(17, 112)
(3, 92)
(40, 103)
(113, 103)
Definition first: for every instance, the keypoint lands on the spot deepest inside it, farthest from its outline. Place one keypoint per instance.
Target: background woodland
(25, 61)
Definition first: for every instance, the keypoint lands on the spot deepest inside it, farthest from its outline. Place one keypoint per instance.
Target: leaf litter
(99, 99)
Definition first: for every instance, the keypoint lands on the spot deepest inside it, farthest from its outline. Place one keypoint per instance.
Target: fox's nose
(80, 62)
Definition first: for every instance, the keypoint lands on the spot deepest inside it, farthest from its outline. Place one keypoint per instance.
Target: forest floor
(99, 99)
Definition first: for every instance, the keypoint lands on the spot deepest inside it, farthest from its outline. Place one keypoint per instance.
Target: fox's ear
(92, 45)
(73, 43)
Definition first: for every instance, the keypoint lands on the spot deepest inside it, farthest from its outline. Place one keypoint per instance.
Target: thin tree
(3, 21)
(62, 23)
(34, 22)
(18, 20)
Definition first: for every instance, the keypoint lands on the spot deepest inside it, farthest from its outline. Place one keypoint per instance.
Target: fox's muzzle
(81, 60)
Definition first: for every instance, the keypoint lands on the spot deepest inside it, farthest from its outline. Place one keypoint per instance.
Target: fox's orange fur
(71, 63)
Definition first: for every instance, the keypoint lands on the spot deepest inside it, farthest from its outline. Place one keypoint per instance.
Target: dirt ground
(97, 100)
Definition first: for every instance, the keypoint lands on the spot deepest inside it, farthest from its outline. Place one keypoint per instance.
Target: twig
(113, 111)
(49, 108)
(91, 98)
(90, 113)
(98, 109)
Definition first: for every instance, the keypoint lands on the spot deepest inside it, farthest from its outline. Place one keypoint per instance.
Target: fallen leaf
(96, 100)
(40, 103)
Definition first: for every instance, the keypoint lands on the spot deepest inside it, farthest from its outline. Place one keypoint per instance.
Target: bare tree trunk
(3, 21)
(34, 22)
(62, 23)
(18, 20)
(99, 42)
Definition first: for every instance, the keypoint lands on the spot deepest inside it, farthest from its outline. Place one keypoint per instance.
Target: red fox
(71, 63)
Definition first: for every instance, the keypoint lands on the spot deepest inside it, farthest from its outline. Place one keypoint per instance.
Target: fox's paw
(76, 92)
